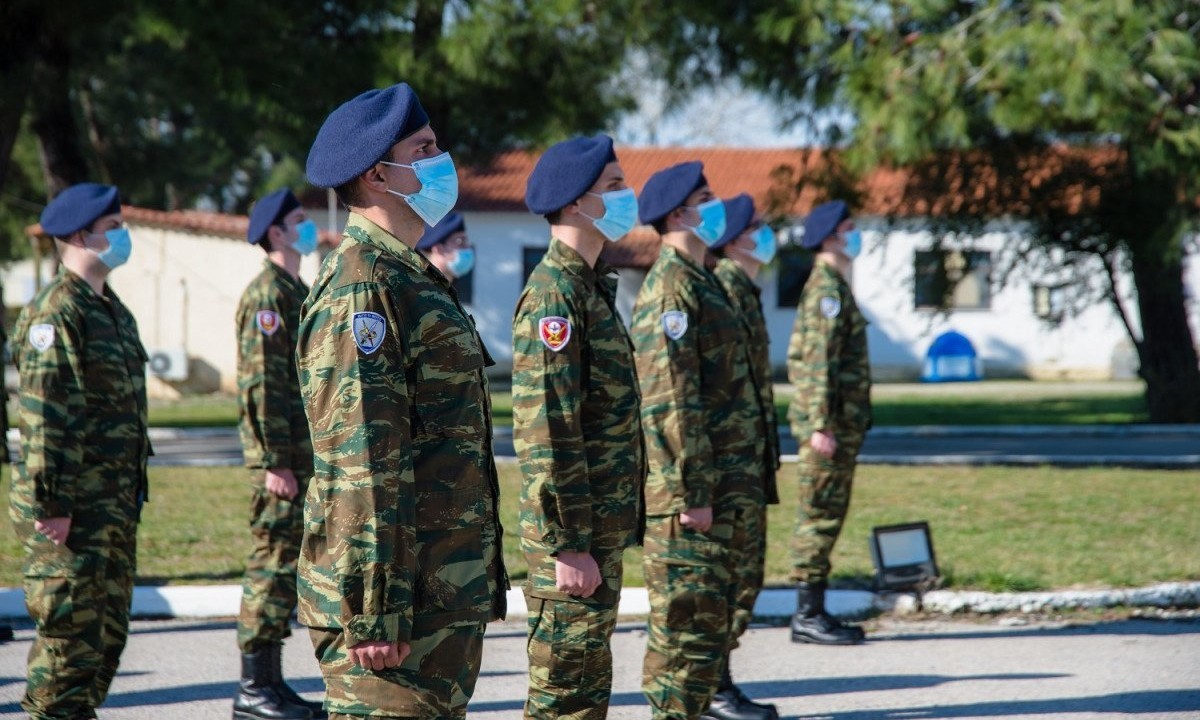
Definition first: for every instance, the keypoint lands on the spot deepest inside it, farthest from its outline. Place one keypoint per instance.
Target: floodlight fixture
(903, 556)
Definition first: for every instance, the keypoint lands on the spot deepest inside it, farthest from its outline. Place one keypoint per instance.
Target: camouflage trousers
(750, 571)
(570, 659)
(269, 587)
(436, 680)
(78, 595)
(824, 500)
(694, 588)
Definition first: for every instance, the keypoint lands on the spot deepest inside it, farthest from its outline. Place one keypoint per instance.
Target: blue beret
(566, 171)
(447, 226)
(78, 207)
(668, 189)
(268, 211)
(822, 222)
(360, 132)
(739, 213)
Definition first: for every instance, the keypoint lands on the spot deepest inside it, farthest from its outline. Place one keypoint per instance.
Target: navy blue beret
(822, 222)
(447, 226)
(739, 213)
(360, 132)
(668, 189)
(78, 207)
(565, 172)
(268, 211)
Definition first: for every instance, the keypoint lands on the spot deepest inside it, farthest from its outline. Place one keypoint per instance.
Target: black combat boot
(285, 691)
(730, 703)
(257, 698)
(812, 624)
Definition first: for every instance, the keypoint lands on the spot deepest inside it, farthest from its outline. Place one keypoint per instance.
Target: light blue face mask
(620, 213)
(853, 243)
(307, 240)
(764, 244)
(712, 221)
(462, 262)
(120, 246)
(439, 187)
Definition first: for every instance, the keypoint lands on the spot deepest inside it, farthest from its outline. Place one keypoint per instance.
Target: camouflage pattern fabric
(4, 457)
(435, 681)
(750, 571)
(570, 659)
(577, 433)
(84, 445)
(274, 434)
(705, 440)
(401, 524)
(829, 367)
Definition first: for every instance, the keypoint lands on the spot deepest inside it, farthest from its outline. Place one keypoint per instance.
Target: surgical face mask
(853, 243)
(764, 244)
(462, 262)
(620, 213)
(439, 187)
(120, 246)
(712, 221)
(306, 242)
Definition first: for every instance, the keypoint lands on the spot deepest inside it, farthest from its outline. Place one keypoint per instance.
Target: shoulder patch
(555, 332)
(268, 321)
(674, 323)
(369, 329)
(830, 307)
(41, 336)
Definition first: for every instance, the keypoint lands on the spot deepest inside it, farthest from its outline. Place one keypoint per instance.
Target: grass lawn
(993, 528)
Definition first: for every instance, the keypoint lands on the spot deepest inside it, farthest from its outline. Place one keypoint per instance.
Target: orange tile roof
(197, 221)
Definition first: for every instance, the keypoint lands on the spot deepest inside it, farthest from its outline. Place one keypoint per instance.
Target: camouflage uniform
(274, 434)
(745, 296)
(828, 365)
(84, 445)
(401, 524)
(578, 435)
(704, 441)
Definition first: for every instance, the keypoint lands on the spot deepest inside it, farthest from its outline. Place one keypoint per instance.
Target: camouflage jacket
(827, 360)
(704, 431)
(576, 426)
(82, 402)
(270, 411)
(402, 531)
(746, 297)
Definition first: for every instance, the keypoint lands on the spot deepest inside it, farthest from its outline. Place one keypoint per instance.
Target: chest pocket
(449, 388)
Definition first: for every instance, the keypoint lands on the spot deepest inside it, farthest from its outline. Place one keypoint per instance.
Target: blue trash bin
(951, 358)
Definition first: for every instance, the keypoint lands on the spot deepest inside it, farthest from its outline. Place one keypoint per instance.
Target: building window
(531, 256)
(952, 279)
(795, 265)
(1050, 302)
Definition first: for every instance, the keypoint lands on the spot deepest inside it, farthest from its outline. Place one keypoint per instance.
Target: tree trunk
(54, 123)
(1167, 352)
(16, 67)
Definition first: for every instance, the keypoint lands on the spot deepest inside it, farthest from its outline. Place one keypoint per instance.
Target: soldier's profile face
(612, 178)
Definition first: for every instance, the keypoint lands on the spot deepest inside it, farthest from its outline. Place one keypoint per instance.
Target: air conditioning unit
(169, 364)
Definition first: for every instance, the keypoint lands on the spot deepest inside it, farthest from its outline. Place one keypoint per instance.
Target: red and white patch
(268, 321)
(555, 332)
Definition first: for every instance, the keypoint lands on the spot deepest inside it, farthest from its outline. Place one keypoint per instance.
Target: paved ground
(1135, 668)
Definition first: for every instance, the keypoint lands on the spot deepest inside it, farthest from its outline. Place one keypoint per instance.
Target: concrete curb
(219, 601)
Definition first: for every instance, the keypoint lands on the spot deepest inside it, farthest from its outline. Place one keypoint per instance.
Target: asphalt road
(1137, 668)
(1146, 446)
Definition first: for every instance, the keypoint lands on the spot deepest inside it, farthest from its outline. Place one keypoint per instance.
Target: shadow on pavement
(871, 683)
(1149, 701)
(1120, 627)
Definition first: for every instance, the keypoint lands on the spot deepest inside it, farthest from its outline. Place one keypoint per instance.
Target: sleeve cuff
(384, 628)
(51, 509)
(568, 541)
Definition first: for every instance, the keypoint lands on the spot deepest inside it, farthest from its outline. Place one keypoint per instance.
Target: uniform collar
(283, 275)
(672, 255)
(83, 286)
(738, 276)
(565, 257)
(363, 229)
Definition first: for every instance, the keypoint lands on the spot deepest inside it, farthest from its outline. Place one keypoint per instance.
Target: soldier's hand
(576, 573)
(281, 482)
(697, 518)
(378, 654)
(56, 529)
(823, 444)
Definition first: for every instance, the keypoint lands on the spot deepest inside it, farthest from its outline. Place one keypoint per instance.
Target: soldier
(447, 247)
(278, 452)
(400, 565)
(747, 245)
(704, 440)
(77, 497)
(829, 413)
(576, 430)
